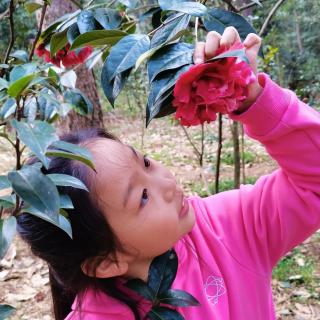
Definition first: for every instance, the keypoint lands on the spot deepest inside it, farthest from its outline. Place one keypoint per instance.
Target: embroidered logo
(214, 288)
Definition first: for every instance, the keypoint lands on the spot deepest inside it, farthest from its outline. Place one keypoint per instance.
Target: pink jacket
(226, 260)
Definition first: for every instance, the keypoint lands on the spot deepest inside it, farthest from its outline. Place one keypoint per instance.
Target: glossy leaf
(69, 79)
(142, 289)
(65, 202)
(79, 101)
(4, 84)
(193, 8)
(162, 272)
(61, 222)
(124, 54)
(162, 85)
(169, 57)
(171, 27)
(129, 3)
(37, 136)
(37, 190)
(30, 109)
(8, 201)
(8, 108)
(98, 38)
(17, 87)
(32, 6)
(108, 18)
(73, 33)
(65, 180)
(6, 311)
(7, 232)
(4, 182)
(58, 41)
(69, 155)
(218, 19)
(22, 70)
(163, 313)
(87, 22)
(113, 88)
(240, 53)
(73, 148)
(20, 55)
(178, 298)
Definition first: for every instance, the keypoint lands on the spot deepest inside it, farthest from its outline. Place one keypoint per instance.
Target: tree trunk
(85, 79)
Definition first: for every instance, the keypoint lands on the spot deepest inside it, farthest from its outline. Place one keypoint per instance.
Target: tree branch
(231, 6)
(192, 144)
(43, 12)
(249, 5)
(269, 17)
(11, 41)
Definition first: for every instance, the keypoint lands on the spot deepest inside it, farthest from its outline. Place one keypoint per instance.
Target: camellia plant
(33, 95)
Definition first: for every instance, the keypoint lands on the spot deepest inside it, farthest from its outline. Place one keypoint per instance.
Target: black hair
(93, 238)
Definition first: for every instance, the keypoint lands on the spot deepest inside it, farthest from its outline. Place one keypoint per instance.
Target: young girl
(227, 244)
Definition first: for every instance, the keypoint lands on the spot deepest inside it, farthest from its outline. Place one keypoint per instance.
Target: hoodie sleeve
(260, 223)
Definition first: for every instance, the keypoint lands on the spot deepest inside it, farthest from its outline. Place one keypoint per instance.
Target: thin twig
(218, 160)
(43, 12)
(269, 17)
(3, 123)
(202, 145)
(191, 142)
(11, 42)
(248, 5)
(243, 155)
(231, 6)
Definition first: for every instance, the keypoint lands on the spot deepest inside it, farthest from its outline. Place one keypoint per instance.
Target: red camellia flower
(212, 87)
(64, 56)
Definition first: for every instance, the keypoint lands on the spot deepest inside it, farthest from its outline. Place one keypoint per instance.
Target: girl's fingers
(252, 45)
(199, 53)
(229, 37)
(212, 44)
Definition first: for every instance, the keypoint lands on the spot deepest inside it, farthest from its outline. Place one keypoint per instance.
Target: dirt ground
(24, 279)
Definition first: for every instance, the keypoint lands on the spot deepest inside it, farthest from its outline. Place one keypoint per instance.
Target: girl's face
(140, 199)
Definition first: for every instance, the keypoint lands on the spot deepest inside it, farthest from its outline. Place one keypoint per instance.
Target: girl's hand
(252, 43)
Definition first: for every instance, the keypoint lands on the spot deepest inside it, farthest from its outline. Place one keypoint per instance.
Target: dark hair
(93, 237)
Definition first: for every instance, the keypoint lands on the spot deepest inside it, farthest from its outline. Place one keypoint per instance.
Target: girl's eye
(144, 198)
(146, 161)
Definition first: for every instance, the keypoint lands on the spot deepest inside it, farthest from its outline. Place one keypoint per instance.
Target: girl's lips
(185, 208)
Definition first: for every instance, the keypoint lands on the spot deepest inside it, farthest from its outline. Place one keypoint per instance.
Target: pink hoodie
(226, 260)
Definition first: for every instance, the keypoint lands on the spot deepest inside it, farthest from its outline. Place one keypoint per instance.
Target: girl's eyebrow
(130, 184)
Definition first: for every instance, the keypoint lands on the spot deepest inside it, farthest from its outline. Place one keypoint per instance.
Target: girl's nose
(169, 188)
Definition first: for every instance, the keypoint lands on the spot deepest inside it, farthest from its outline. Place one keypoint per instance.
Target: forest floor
(296, 280)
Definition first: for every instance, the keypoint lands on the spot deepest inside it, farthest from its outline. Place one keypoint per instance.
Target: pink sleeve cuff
(268, 109)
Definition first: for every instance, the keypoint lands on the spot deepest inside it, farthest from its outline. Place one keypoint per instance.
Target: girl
(227, 244)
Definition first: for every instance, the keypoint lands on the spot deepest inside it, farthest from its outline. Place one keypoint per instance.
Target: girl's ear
(107, 268)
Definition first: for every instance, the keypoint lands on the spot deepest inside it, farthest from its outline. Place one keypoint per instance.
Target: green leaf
(240, 53)
(162, 272)
(140, 287)
(218, 19)
(65, 202)
(169, 57)
(17, 87)
(61, 222)
(69, 155)
(178, 298)
(22, 70)
(108, 18)
(112, 89)
(73, 148)
(129, 3)
(4, 84)
(6, 311)
(32, 6)
(98, 38)
(170, 28)
(4, 182)
(79, 101)
(8, 108)
(73, 33)
(163, 313)
(37, 190)
(124, 55)
(87, 22)
(20, 55)
(160, 90)
(7, 232)
(4, 65)
(37, 136)
(64, 180)
(8, 201)
(193, 8)
(58, 41)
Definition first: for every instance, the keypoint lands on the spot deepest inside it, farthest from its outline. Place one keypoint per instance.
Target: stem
(269, 17)
(192, 144)
(218, 160)
(11, 41)
(243, 156)
(196, 29)
(173, 18)
(248, 6)
(43, 12)
(236, 153)
(202, 145)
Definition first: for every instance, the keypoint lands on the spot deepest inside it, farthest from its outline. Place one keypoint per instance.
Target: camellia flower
(211, 87)
(64, 56)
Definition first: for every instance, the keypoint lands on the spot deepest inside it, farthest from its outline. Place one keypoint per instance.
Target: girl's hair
(93, 238)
